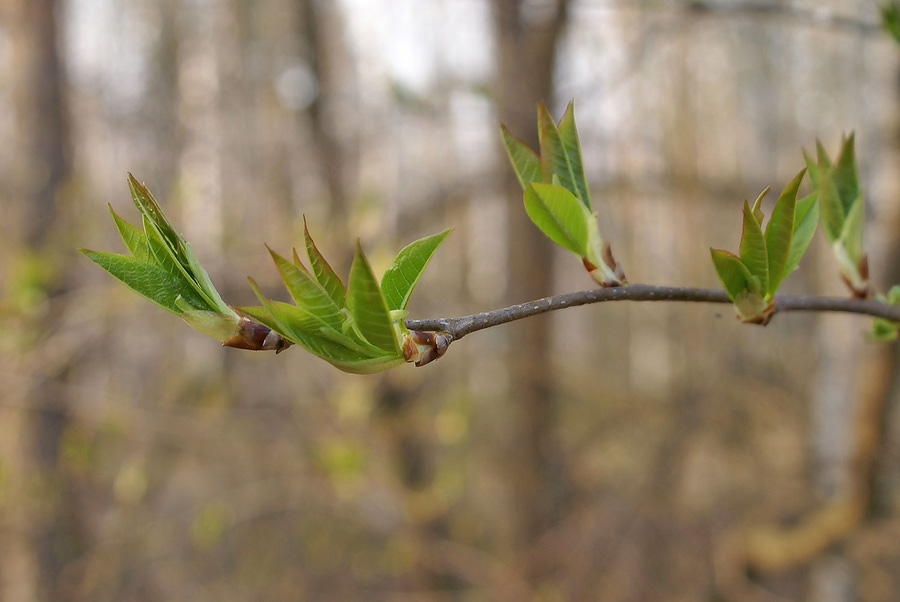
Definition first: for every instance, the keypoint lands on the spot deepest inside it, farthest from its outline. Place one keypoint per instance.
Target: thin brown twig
(459, 327)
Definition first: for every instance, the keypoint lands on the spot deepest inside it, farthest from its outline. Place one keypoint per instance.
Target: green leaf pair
(767, 256)
(556, 193)
(843, 212)
(359, 328)
(163, 268)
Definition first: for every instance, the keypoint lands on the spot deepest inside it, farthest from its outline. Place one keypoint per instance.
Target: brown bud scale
(253, 336)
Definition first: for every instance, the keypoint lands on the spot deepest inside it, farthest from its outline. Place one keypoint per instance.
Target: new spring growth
(556, 197)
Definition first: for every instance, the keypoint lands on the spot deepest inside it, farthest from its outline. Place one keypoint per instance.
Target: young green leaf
(368, 307)
(164, 257)
(830, 208)
(524, 161)
(852, 232)
(849, 251)
(812, 168)
(780, 232)
(568, 134)
(822, 175)
(732, 272)
(554, 157)
(822, 157)
(310, 297)
(846, 180)
(322, 270)
(149, 281)
(287, 319)
(147, 205)
(403, 274)
(757, 206)
(806, 218)
(559, 215)
(134, 239)
(753, 250)
(200, 276)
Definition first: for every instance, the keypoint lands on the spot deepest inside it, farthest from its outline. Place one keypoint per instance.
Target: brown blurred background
(615, 452)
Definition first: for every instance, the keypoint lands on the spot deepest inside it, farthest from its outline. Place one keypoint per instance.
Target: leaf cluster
(842, 207)
(163, 268)
(358, 328)
(555, 193)
(767, 255)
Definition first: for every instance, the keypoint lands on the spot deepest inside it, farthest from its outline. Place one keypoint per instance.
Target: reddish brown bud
(612, 264)
(425, 346)
(253, 336)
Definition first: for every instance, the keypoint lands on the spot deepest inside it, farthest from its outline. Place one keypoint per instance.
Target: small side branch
(461, 326)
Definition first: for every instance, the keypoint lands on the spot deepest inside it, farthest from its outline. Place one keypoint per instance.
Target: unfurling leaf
(841, 207)
(525, 162)
(753, 249)
(849, 251)
(742, 287)
(403, 274)
(766, 257)
(572, 146)
(556, 193)
(757, 206)
(780, 232)
(164, 269)
(147, 280)
(806, 218)
(133, 237)
(308, 295)
(322, 269)
(368, 307)
(362, 334)
(559, 215)
(845, 176)
(555, 158)
(732, 272)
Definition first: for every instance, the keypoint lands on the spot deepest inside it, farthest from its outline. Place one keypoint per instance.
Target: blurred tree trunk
(44, 167)
(526, 41)
(161, 105)
(322, 31)
(41, 116)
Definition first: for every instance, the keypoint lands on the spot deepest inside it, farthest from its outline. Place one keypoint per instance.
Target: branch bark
(461, 326)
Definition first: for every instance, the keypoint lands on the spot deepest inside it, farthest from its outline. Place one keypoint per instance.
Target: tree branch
(457, 328)
(816, 16)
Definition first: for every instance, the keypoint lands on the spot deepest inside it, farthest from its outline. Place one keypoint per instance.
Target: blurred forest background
(612, 452)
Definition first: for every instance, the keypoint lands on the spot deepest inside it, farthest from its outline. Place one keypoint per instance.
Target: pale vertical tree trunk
(323, 32)
(41, 173)
(526, 49)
